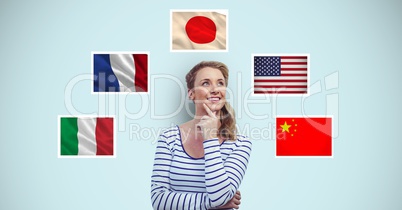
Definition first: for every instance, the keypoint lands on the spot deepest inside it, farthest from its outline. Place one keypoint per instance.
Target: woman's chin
(215, 107)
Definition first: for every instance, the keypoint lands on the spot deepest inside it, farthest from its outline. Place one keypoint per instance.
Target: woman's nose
(214, 89)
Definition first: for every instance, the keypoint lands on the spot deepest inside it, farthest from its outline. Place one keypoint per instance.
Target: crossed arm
(222, 179)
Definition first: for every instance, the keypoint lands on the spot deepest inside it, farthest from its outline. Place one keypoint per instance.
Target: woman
(201, 163)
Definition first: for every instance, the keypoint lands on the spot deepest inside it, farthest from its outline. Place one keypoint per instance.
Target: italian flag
(86, 136)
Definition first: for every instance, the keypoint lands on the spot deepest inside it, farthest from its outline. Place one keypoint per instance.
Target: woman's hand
(233, 203)
(209, 124)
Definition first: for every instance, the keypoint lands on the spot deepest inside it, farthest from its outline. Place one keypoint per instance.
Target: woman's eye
(221, 84)
(205, 84)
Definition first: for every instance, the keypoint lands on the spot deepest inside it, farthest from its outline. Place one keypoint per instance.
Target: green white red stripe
(86, 136)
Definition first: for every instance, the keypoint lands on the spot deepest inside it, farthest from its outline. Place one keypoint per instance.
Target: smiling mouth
(214, 99)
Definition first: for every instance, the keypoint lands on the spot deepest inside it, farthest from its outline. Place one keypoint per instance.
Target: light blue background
(45, 44)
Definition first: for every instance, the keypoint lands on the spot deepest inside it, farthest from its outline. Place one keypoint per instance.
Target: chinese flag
(299, 136)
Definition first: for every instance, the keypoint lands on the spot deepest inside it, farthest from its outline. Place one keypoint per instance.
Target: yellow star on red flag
(285, 127)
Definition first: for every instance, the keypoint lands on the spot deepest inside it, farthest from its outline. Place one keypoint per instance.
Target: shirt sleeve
(223, 178)
(162, 196)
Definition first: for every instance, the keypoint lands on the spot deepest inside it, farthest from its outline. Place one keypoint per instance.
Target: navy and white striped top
(180, 181)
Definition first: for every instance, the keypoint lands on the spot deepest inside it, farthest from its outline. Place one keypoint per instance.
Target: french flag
(120, 72)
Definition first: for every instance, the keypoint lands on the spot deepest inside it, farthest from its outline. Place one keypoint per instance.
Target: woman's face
(209, 88)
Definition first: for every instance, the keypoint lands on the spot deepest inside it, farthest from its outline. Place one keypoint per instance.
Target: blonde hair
(227, 129)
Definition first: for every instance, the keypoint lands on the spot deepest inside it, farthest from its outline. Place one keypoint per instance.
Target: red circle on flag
(201, 30)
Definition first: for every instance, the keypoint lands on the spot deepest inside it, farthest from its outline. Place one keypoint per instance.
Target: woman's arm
(162, 196)
(223, 179)
(234, 203)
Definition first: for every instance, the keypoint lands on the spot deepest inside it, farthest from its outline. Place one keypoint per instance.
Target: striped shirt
(180, 181)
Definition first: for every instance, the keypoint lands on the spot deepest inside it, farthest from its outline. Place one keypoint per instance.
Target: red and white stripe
(293, 79)
(131, 71)
(95, 136)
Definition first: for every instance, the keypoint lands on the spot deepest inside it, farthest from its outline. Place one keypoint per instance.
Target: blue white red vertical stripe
(280, 74)
(120, 72)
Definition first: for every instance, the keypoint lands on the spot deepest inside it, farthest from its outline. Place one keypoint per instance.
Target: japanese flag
(199, 30)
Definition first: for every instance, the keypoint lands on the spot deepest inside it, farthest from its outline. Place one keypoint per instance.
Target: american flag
(280, 74)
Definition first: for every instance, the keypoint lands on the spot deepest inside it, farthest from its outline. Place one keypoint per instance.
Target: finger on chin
(208, 110)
